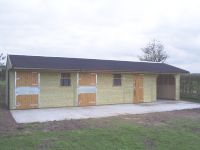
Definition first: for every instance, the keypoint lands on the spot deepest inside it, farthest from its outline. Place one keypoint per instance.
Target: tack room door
(138, 89)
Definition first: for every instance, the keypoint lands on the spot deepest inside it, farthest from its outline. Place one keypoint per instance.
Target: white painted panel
(87, 89)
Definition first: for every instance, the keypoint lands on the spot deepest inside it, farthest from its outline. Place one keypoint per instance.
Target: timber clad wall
(150, 88)
(8, 66)
(12, 89)
(177, 85)
(109, 94)
(128, 87)
(54, 95)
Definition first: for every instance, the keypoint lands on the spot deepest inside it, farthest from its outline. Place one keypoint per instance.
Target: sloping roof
(79, 64)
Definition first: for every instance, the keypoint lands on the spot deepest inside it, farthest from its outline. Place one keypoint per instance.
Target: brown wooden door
(25, 79)
(26, 101)
(27, 88)
(87, 89)
(138, 90)
(87, 79)
(87, 99)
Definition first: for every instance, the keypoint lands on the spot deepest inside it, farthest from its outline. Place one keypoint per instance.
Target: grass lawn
(165, 134)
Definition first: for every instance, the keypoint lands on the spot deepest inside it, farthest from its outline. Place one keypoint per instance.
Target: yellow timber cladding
(177, 86)
(150, 88)
(109, 94)
(11, 91)
(54, 95)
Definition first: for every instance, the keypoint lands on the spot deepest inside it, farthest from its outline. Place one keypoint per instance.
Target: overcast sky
(105, 29)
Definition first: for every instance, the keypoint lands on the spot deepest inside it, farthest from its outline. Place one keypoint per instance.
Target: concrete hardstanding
(52, 114)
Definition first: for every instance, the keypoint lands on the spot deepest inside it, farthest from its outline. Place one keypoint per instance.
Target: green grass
(178, 135)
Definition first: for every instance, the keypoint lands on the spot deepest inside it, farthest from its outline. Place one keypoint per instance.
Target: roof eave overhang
(108, 71)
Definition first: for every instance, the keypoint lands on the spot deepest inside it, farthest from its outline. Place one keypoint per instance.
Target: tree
(2, 57)
(154, 51)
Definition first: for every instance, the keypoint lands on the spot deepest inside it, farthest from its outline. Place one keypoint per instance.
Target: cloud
(107, 29)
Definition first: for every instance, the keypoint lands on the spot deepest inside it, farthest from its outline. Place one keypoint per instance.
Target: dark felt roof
(79, 64)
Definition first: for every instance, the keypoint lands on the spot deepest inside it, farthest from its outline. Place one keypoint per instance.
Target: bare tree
(154, 51)
(2, 57)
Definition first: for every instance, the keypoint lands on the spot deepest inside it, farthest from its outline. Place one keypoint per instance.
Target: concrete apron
(68, 113)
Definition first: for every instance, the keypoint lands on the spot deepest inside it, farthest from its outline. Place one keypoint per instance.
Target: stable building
(44, 82)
